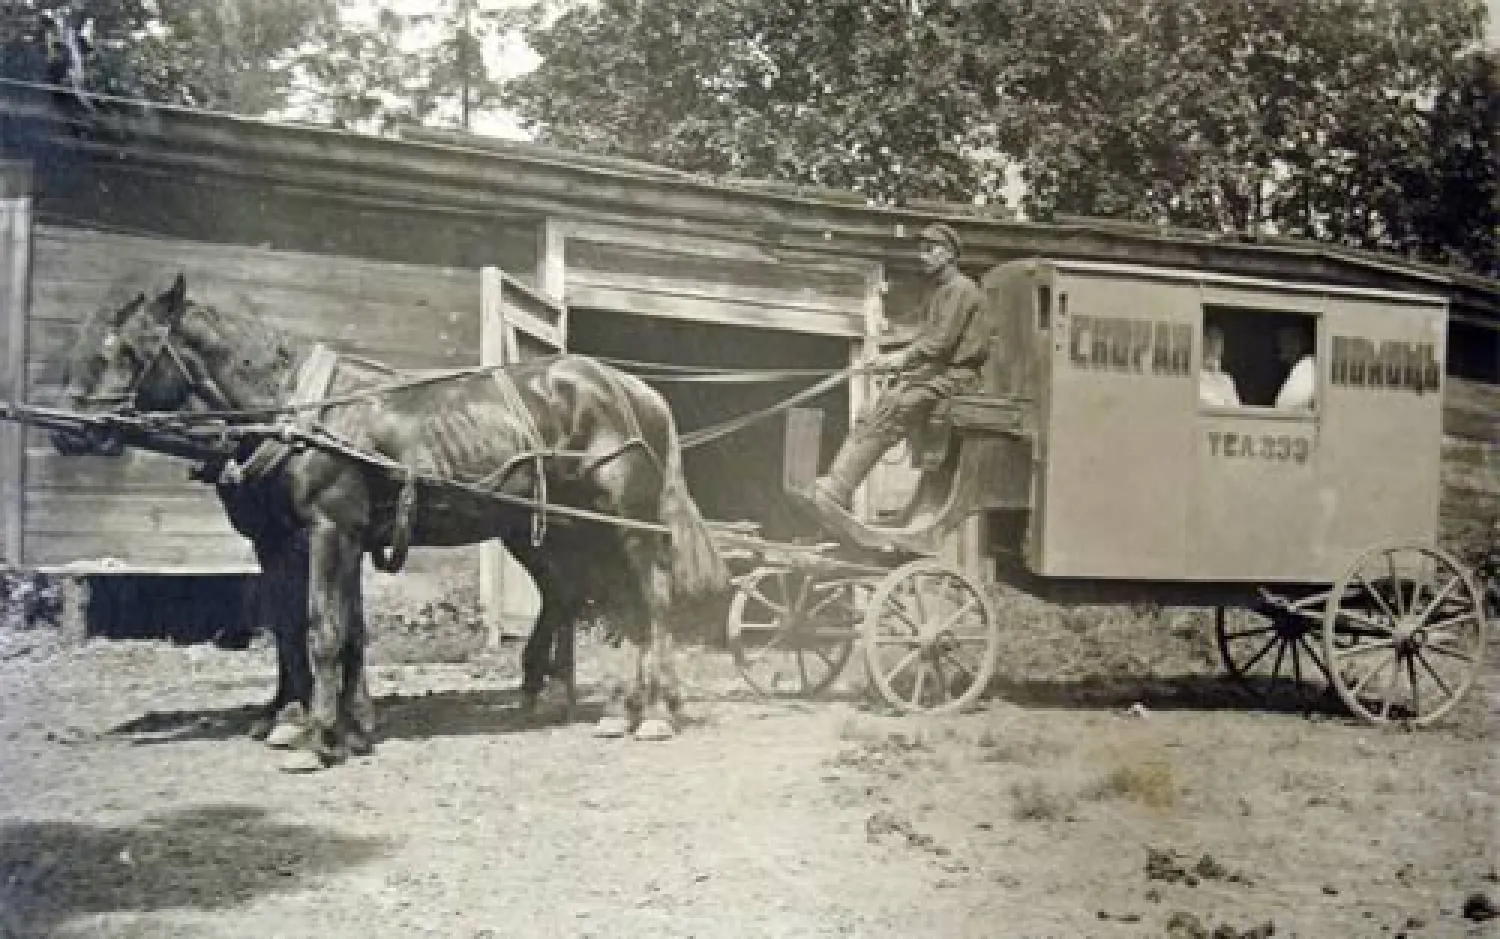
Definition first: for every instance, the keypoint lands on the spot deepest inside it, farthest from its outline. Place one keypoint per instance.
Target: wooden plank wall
(140, 508)
(674, 276)
(15, 240)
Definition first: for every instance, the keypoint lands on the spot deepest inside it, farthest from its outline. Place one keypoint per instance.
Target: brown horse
(566, 429)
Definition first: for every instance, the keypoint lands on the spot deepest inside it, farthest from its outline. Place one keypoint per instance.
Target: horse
(564, 431)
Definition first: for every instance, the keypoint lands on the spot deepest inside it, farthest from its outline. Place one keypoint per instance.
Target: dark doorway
(737, 477)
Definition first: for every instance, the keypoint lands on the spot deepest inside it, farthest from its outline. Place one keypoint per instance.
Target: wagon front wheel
(1403, 634)
(931, 638)
(791, 634)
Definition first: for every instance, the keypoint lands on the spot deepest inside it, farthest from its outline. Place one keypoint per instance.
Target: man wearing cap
(945, 358)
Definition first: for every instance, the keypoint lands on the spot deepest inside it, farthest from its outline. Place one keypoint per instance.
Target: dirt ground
(1115, 788)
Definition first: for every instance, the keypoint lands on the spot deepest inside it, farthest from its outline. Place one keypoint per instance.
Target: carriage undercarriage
(1399, 637)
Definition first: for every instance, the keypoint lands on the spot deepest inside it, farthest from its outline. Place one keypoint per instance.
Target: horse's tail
(698, 570)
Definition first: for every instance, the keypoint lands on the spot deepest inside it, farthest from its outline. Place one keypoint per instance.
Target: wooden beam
(868, 344)
(15, 268)
(672, 305)
(550, 272)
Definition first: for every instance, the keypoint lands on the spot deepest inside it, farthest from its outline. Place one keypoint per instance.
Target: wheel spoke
(1378, 646)
(1449, 623)
(1438, 598)
(1307, 647)
(1367, 621)
(1379, 599)
(963, 611)
(1280, 654)
(916, 694)
(903, 664)
(802, 669)
(1379, 667)
(895, 608)
(908, 641)
(1390, 560)
(1261, 654)
(1450, 653)
(753, 590)
(1296, 663)
(955, 659)
(1256, 631)
(1433, 672)
(921, 608)
(944, 692)
(1411, 675)
(1389, 684)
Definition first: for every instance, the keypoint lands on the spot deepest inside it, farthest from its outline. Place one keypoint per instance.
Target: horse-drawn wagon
(1096, 465)
(1104, 470)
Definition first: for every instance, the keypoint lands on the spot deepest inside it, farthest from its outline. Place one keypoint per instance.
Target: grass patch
(1034, 801)
(1149, 783)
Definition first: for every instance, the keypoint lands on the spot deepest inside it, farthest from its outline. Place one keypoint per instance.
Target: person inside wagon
(945, 358)
(1300, 386)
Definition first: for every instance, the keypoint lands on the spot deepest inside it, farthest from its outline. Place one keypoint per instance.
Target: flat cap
(942, 234)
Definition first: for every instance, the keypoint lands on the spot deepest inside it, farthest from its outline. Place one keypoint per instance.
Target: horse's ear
(124, 312)
(173, 303)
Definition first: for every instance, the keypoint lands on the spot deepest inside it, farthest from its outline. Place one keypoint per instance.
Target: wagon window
(1255, 350)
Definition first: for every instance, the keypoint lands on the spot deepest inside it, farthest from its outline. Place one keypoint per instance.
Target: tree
(221, 54)
(1455, 195)
(1313, 118)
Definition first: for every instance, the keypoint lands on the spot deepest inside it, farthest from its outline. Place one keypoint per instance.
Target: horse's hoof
(655, 729)
(286, 736)
(260, 728)
(611, 727)
(305, 761)
(358, 743)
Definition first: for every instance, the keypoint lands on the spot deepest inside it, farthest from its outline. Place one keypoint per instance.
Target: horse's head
(124, 360)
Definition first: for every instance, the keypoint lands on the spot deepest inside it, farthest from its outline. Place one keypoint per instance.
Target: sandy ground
(132, 806)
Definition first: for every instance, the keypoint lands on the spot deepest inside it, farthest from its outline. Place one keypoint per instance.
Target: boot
(855, 459)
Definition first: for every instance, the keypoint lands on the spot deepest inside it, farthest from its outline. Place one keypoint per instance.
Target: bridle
(158, 346)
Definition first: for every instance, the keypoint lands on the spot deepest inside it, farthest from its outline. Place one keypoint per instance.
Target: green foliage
(1315, 118)
(223, 54)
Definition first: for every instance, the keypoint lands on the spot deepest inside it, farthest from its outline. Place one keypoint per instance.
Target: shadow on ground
(1194, 692)
(398, 717)
(203, 858)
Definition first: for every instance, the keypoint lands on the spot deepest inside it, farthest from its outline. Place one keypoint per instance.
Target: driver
(944, 359)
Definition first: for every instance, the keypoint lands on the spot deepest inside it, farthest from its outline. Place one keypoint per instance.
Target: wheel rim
(1272, 653)
(783, 631)
(1404, 634)
(931, 639)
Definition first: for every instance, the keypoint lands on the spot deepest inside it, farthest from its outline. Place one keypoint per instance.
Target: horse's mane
(246, 352)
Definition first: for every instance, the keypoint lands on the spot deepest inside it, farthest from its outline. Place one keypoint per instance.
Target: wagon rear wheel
(932, 638)
(791, 634)
(1271, 652)
(1404, 634)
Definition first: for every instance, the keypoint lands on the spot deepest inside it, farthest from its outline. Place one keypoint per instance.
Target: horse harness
(308, 394)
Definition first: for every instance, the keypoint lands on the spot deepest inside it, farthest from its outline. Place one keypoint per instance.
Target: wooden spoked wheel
(1272, 652)
(931, 637)
(791, 634)
(1404, 634)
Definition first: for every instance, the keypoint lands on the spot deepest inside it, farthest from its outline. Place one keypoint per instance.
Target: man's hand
(887, 361)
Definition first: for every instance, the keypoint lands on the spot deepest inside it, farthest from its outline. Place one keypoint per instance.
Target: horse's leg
(291, 603)
(623, 677)
(549, 649)
(267, 612)
(356, 710)
(563, 665)
(335, 558)
(283, 606)
(664, 697)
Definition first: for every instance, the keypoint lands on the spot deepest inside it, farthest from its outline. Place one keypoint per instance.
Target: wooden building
(386, 247)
